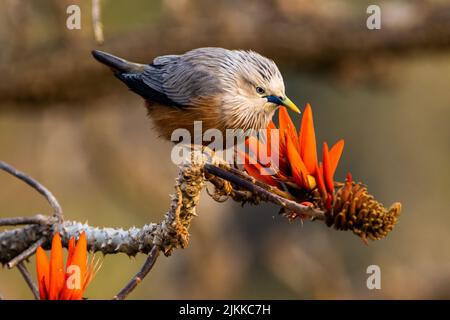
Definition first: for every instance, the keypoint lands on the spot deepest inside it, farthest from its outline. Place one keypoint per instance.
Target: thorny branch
(172, 232)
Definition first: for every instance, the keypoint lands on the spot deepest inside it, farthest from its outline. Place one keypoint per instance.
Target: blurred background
(65, 120)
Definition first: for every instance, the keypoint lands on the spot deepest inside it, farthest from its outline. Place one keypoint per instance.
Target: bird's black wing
(145, 80)
(135, 83)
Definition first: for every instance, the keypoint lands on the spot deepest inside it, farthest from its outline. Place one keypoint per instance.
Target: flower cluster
(59, 283)
(347, 206)
(298, 165)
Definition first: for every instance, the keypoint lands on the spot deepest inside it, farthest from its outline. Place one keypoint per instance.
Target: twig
(57, 211)
(25, 254)
(223, 190)
(37, 219)
(265, 194)
(26, 275)
(148, 265)
(97, 21)
(268, 188)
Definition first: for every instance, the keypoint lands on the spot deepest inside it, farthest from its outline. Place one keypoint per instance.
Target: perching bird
(225, 89)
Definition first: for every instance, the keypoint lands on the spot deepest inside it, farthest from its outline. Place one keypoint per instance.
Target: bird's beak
(289, 104)
(283, 101)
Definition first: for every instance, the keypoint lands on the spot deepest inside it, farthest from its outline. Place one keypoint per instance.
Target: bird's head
(254, 90)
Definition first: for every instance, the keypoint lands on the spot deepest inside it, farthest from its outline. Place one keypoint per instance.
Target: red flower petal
(299, 171)
(56, 268)
(327, 169)
(320, 182)
(66, 293)
(258, 150)
(307, 140)
(71, 248)
(335, 155)
(328, 202)
(257, 171)
(279, 155)
(79, 259)
(42, 271)
(271, 126)
(287, 127)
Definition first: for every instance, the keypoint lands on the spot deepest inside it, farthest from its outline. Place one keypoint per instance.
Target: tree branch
(148, 265)
(27, 277)
(57, 211)
(171, 233)
(37, 219)
(263, 192)
(26, 253)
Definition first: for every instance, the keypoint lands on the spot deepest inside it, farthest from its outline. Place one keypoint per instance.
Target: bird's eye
(260, 90)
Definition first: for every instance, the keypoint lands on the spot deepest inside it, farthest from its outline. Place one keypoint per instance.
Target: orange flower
(55, 283)
(298, 165)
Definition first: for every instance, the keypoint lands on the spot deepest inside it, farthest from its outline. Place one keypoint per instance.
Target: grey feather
(198, 73)
(204, 72)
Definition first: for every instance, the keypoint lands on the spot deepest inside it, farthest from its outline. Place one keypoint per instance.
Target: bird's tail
(131, 74)
(118, 65)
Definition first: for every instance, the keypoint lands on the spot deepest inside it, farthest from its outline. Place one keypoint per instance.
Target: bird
(225, 89)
